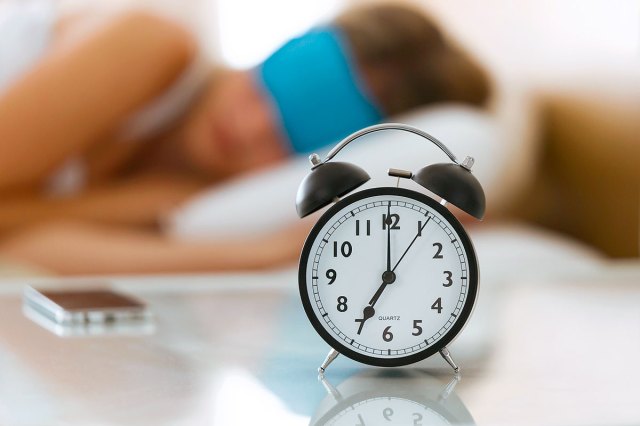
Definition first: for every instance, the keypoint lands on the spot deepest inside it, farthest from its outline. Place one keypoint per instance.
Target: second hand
(389, 276)
(411, 244)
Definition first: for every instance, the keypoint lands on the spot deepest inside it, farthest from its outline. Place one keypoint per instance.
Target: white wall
(543, 38)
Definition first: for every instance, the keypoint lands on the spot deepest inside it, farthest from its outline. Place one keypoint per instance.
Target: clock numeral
(393, 221)
(342, 304)
(360, 421)
(331, 274)
(345, 249)
(387, 335)
(358, 227)
(437, 305)
(438, 251)
(419, 228)
(387, 413)
(416, 327)
(448, 278)
(417, 419)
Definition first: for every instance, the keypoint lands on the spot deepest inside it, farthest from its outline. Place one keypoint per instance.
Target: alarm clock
(388, 276)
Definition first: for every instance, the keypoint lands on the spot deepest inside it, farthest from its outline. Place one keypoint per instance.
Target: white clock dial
(389, 275)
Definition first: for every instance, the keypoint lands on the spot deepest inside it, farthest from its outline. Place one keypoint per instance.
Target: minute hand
(412, 241)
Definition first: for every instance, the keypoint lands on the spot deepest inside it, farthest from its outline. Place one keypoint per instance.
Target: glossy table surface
(238, 350)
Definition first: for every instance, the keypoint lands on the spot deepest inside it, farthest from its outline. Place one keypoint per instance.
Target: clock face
(388, 276)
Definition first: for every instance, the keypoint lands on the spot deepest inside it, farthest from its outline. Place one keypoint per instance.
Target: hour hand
(388, 277)
(367, 313)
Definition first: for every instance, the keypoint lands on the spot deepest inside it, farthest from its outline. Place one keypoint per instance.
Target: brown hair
(406, 61)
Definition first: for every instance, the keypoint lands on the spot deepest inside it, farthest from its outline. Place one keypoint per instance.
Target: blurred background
(567, 75)
(557, 148)
(557, 151)
(569, 70)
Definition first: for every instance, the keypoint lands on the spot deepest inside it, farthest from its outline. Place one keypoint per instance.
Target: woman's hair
(406, 61)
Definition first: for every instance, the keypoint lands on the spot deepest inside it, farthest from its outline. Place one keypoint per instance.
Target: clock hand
(388, 276)
(388, 222)
(413, 241)
(367, 313)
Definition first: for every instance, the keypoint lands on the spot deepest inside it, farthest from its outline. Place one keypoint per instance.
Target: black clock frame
(472, 278)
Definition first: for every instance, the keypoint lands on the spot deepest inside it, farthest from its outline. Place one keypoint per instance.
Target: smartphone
(69, 307)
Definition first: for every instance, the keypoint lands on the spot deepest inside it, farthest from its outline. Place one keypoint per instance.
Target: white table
(238, 350)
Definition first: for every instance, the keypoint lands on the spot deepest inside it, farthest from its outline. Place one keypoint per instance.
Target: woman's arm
(76, 249)
(82, 91)
(136, 201)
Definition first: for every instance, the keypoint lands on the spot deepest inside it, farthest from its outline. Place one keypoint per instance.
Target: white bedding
(265, 200)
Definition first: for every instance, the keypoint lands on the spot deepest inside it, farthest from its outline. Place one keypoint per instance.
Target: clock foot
(447, 357)
(448, 390)
(328, 360)
(331, 390)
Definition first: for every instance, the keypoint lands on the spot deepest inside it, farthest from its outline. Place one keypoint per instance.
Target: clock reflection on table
(392, 397)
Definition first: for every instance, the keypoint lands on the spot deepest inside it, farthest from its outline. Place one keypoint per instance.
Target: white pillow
(264, 201)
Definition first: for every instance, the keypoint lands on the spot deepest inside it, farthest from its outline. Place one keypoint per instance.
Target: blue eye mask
(314, 87)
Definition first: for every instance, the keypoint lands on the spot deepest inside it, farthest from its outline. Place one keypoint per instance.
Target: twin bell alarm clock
(388, 276)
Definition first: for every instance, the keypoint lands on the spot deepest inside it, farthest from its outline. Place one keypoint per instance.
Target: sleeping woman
(118, 119)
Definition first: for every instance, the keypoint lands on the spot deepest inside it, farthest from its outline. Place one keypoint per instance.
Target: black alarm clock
(388, 276)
